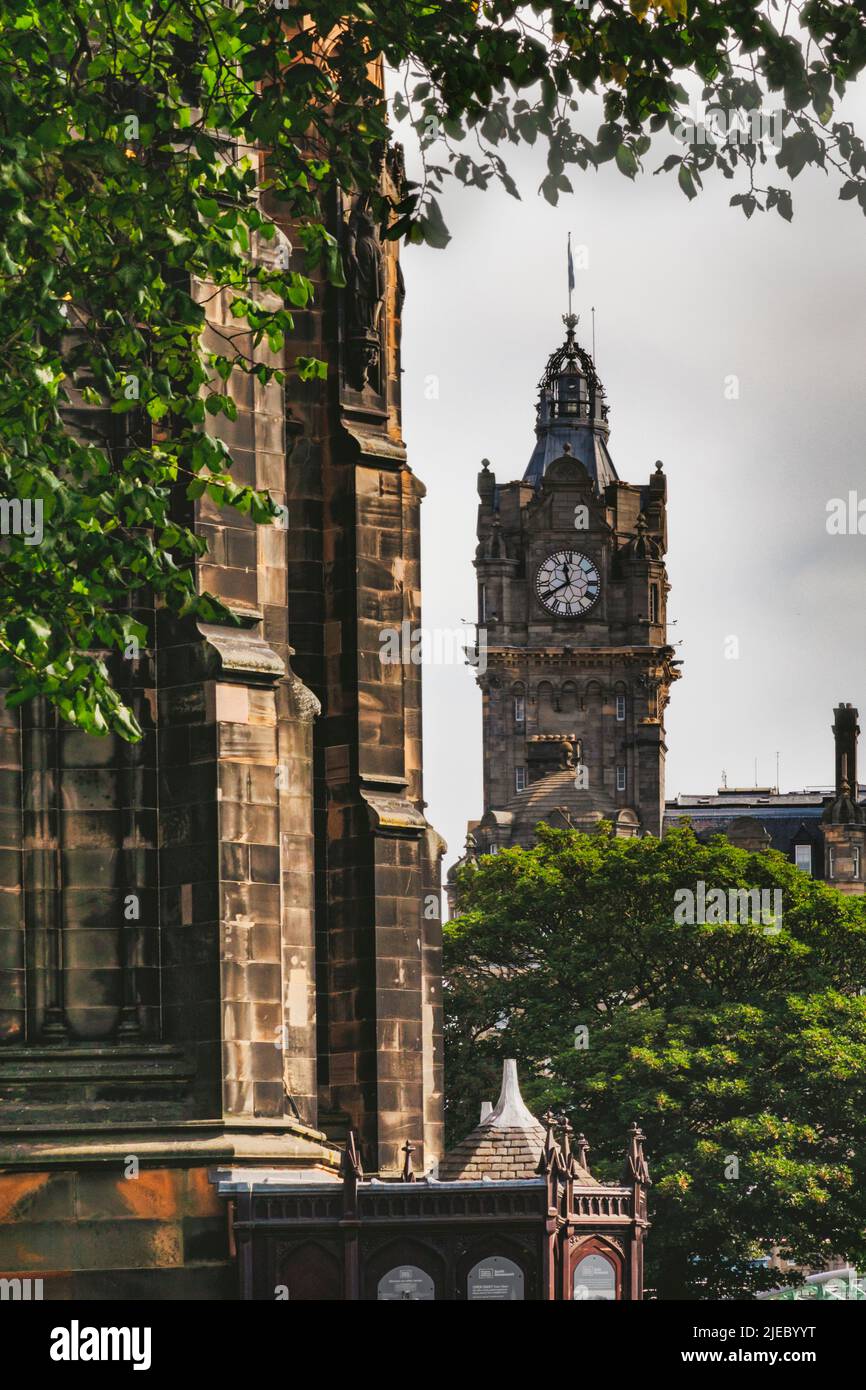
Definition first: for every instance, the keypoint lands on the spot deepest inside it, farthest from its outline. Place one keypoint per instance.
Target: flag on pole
(570, 266)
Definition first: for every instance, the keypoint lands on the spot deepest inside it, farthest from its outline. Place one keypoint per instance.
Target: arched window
(594, 1280)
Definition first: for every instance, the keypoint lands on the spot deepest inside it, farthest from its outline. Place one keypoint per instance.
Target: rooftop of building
(760, 799)
(510, 1144)
(571, 414)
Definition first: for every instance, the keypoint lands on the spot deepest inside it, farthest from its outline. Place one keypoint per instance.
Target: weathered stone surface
(206, 935)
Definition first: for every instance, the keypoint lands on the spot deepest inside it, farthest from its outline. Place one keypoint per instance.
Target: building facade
(513, 1214)
(572, 609)
(822, 830)
(222, 944)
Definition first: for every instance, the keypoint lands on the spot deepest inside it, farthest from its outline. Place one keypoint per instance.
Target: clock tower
(573, 661)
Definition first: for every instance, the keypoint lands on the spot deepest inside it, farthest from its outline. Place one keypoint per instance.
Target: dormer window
(803, 858)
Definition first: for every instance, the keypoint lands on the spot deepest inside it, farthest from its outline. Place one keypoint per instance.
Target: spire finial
(636, 1167)
(510, 1110)
(581, 1147)
(549, 1160)
(567, 1131)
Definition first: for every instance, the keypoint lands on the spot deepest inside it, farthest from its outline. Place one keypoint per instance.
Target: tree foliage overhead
(129, 168)
(787, 62)
(741, 1050)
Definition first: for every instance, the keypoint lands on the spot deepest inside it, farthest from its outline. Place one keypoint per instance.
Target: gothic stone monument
(222, 944)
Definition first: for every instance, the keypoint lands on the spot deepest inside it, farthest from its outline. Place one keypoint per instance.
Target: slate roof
(507, 1144)
(786, 816)
(586, 444)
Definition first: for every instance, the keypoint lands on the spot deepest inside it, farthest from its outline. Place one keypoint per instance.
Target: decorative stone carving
(304, 704)
(365, 293)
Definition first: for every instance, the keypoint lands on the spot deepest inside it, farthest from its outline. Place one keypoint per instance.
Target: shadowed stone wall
(225, 940)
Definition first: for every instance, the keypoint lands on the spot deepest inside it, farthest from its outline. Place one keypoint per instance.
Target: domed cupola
(572, 412)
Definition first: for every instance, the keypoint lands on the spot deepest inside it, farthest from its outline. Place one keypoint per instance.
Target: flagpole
(569, 275)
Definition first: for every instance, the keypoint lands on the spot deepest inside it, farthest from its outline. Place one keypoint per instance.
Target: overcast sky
(686, 295)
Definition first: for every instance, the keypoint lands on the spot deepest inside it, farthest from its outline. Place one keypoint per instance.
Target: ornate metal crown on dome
(571, 358)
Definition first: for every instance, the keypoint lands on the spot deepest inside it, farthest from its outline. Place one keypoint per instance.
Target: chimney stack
(845, 731)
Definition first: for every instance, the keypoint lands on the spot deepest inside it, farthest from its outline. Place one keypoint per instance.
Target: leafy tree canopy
(129, 172)
(739, 1045)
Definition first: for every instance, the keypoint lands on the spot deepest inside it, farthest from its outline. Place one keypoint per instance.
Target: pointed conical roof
(506, 1145)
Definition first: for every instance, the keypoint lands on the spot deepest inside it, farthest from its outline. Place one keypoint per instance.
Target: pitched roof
(506, 1145)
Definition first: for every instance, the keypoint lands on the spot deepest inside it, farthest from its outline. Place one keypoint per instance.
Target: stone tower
(572, 604)
(222, 944)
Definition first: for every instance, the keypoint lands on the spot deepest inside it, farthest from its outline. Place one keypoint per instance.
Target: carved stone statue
(365, 298)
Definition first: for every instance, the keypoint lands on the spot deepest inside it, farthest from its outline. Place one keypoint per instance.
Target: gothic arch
(310, 1273)
(597, 1245)
(490, 1245)
(404, 1250)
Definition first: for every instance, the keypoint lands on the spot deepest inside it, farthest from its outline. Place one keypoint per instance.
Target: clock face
(568, 583)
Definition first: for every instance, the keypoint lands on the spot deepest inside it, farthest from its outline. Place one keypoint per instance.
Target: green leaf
(626, 161)
(686, 181)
